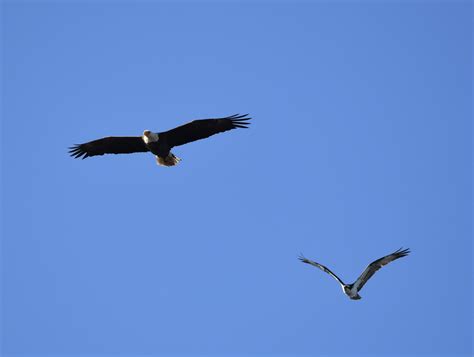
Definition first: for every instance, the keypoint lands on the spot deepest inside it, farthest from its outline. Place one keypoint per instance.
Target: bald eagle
(160, 144)
(352, 290)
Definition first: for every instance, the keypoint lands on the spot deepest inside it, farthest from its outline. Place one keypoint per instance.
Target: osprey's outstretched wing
(203, 128)
(320, 266)
(376, 265)
(109, 145)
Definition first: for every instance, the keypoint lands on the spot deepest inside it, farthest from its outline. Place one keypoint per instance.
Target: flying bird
(352, 290)
(160, 144)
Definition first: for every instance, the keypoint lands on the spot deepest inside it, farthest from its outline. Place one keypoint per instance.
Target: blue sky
(360, 144)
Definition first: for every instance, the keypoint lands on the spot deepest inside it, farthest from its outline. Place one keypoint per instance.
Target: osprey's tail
(169, 160)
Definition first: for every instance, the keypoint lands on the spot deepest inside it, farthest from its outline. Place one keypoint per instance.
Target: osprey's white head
(351, 292)
(149, 137)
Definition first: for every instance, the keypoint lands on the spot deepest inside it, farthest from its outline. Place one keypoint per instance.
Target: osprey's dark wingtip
(404, 252)
(302, 258)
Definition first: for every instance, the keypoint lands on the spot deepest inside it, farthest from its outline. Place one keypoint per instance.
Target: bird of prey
(160, 144)
(352, 290)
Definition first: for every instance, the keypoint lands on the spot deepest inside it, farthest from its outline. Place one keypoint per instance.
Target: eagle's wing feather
(203, 128)
(109, 145)
(376, 265)
(320, 266)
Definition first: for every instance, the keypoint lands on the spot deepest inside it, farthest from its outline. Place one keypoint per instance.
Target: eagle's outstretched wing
(109, 145)
(376, 265)
(203, 128)
(320, 266)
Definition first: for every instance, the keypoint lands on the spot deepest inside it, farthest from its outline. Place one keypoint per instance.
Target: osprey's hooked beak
(146, 133)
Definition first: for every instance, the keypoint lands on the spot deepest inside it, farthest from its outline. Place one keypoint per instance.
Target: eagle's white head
(149, 137)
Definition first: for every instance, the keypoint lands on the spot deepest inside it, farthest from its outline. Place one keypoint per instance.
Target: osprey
(352, 290)
(160, 144)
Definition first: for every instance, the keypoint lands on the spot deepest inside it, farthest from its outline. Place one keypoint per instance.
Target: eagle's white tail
(169, 160)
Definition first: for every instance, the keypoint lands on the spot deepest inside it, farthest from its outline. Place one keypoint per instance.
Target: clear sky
(360, 143)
